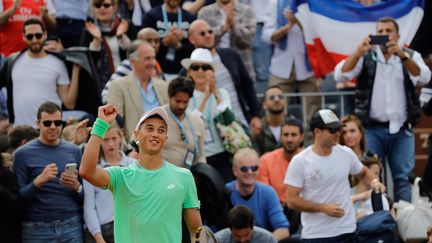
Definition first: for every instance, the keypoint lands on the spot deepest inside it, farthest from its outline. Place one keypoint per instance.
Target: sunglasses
(204, 67)
(332, 129)
(274, 97)
(38, 36)
(57, 123)
(246, 168)
(105, 5)
(203, 33)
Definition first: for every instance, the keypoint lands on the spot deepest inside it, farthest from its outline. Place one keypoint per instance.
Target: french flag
(333, 28)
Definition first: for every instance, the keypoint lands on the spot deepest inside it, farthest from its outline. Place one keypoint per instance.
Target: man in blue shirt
(52, 195)
(260, 198)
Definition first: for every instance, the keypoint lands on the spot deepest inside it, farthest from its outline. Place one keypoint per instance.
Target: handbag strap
(377, 202)
(415, 194)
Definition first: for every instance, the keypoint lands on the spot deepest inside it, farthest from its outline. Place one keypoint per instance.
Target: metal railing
(324, 104)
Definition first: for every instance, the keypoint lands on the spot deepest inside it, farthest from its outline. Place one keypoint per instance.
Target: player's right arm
(88, 169)
(295, 201)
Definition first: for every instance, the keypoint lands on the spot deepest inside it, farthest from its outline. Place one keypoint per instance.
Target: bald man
(231, 74)
(148, 35)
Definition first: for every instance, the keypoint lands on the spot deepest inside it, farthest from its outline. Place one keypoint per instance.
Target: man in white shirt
(289, 68)
(37, 76)
(386, 99)
(317, 183)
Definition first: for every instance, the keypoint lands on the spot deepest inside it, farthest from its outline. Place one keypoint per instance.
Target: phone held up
(70, 168)
(379, 39)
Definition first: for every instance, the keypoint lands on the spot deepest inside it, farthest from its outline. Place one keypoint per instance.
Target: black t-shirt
(154, 18)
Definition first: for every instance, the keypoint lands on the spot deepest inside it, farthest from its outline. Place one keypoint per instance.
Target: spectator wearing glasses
(231, 74)
(13, 14)
(274, 104)
(208, 101)
(52, 196)
(289, 67)
(318, 186)
(260, 198)
(108, 37)
(35, 76)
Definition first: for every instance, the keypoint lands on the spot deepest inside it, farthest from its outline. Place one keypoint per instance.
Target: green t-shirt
(148, 204)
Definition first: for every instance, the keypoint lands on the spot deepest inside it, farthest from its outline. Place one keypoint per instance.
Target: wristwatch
(405, 57)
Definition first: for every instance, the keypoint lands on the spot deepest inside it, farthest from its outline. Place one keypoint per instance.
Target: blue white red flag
(334, 28)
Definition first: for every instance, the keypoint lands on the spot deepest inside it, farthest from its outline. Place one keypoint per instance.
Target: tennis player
(151, 195)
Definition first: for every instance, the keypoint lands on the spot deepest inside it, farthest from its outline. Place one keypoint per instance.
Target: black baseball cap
(325, 119)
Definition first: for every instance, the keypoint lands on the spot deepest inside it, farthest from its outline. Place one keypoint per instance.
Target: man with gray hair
(139, 91)
(145, 34)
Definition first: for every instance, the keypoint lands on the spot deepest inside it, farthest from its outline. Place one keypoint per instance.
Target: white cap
(159, 111)
(199, 55)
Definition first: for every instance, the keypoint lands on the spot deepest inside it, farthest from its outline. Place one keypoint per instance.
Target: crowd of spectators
(200, 60)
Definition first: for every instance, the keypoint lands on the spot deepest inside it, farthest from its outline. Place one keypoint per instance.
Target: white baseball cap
(158, 111)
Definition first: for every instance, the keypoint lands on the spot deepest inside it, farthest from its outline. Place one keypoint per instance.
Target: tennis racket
(205, 235)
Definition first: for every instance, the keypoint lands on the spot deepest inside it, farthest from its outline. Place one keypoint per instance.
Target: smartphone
(70, 168)
(379, 39)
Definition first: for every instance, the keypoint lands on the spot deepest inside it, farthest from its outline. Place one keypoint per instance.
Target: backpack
(213, 195)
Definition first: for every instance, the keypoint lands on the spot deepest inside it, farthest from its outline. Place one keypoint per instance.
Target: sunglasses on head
(38, 36)
(246, 168)
(57, 123)
(273, 97)
(204, 67)
(203, 33)
(105, 5)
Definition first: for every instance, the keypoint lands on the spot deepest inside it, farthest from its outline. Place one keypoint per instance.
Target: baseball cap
(158, 111)
(325, 119)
